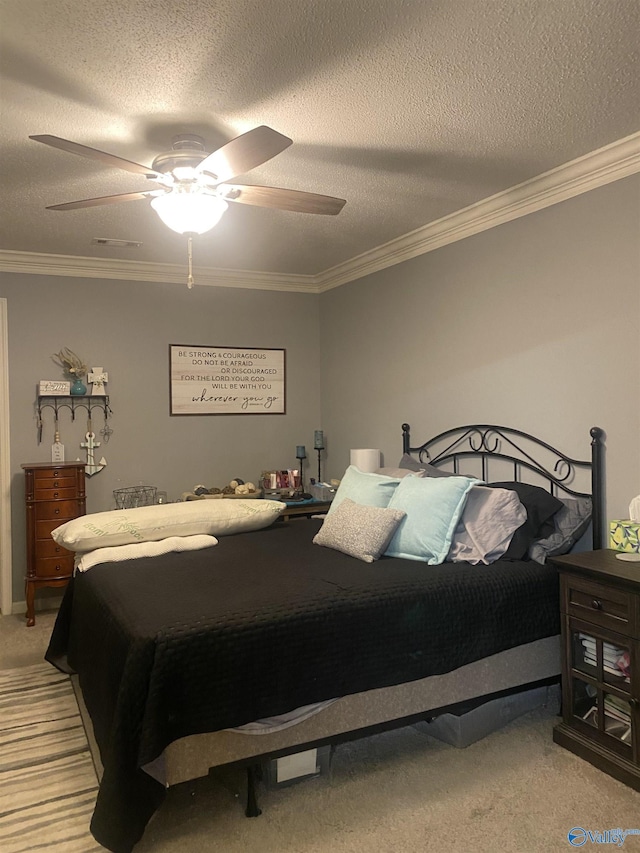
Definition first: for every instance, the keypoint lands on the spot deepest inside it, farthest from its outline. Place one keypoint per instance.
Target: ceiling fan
(194, 188)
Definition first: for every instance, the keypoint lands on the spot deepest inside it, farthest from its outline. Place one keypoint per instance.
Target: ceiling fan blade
(105, 199)
(244, 153)
(282, 199)
(94, 154)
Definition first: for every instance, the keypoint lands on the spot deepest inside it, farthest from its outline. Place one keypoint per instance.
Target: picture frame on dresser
(54, 493)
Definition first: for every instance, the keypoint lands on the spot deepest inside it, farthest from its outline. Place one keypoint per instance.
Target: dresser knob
(55, 494)
(56, 511)
(57, 568)
(596, 604)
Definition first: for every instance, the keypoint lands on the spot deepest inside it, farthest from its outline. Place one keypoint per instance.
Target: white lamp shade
(366, 459)
(189, 212)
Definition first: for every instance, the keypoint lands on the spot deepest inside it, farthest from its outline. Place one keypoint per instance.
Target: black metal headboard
(490, 442)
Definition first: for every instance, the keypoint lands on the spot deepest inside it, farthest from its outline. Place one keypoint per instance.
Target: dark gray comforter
(260, 624)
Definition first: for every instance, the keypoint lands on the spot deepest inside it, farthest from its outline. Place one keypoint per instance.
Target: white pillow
(152, 523)
(120, 553)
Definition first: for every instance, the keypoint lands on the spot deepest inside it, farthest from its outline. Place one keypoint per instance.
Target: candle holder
(318, 445)
(319, 451)
(301, 459)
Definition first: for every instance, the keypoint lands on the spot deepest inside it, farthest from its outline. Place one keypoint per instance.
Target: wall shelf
(73, 403)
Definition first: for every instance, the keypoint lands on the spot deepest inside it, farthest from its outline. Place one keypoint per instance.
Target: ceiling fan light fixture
(189, 212)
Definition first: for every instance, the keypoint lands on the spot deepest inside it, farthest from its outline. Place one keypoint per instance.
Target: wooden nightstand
(600, 603)
(53, 494)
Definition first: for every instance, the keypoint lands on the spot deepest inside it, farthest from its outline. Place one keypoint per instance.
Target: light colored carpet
(400, 792)
(515, 791)
(22, 646)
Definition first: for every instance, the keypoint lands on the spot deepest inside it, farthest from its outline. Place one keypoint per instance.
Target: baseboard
(50, 603)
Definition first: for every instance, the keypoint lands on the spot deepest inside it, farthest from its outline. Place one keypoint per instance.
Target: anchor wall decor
(90, 444)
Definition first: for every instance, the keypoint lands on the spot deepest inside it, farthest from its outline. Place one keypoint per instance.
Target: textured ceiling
(409, 109)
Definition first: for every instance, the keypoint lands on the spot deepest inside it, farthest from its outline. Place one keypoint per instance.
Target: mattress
(266, 622)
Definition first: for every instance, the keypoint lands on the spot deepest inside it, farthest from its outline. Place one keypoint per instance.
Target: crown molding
(618, 160)
(82, 267)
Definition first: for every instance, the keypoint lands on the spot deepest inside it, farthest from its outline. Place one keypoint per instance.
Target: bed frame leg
(253, 772)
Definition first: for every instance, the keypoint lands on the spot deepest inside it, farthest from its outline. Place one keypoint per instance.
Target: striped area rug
(48, 783)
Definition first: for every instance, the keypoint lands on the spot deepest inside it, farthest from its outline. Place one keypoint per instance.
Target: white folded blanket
(117, 553)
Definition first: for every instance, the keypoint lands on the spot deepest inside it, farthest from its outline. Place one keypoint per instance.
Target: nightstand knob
(596, 604)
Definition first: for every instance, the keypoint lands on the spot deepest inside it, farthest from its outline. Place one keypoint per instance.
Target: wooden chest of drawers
(54, 494)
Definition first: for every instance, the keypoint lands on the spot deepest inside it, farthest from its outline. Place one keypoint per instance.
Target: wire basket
(133, 496)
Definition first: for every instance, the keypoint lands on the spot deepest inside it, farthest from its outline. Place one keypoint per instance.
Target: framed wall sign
(226, 380)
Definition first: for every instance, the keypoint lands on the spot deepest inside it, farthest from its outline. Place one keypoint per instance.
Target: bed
(176, 653)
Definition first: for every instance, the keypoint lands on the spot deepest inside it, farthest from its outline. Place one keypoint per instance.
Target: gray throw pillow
(399, 473)
(359, 531)
(427, 470)
(569, 522)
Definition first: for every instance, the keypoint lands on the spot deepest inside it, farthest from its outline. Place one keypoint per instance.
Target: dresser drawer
(49, 548)
(56, 509)
(44, 528)
(55, 493)
(600, 604)
(53, 567)
(41, 475)
(48, 480)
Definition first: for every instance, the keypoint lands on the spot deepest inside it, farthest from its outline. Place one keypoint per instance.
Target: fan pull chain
(190, 256)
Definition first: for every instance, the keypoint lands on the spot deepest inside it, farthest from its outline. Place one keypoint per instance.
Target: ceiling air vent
(122, 244)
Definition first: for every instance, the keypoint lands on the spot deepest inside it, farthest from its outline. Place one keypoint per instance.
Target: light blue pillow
(433, 506)
(364, 488)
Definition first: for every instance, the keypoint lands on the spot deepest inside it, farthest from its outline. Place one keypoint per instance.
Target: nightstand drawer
(53, 567)
(599, 604)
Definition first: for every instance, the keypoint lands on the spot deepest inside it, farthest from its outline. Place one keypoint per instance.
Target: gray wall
(126, 328)
(534, 324)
